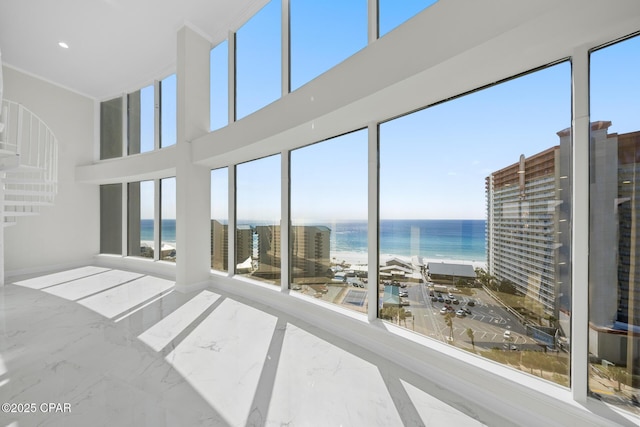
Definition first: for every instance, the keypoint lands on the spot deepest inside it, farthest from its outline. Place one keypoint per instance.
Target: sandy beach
(360, 258)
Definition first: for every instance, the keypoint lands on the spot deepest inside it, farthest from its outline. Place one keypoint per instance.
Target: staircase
(28, 163)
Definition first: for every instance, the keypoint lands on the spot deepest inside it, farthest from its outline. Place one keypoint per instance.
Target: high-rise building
(527, 238)
(220, 244)
(269, 251)
(614, 272)
(310, 250)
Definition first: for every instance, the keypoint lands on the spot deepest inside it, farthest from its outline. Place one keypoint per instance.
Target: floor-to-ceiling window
(140, 213)
(324, 34)
(111, 219)
(168, 250)
(328, 232)
(141, 120)
(111, 128)
(220, 219)
(258, 60)
(475, 222)
(614, 248)
(219, 86)
(168, 111)
(392, 13)
(258, 246)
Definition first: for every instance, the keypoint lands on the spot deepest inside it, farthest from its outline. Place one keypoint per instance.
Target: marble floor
(97, 346)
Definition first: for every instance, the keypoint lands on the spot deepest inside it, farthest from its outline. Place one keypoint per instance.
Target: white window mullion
(231, 227)
(156, 219)
(372, 20)
(156, 114)
(286, 48)
(580, 232)
(285, 220)
(372, 225)
(232, 76)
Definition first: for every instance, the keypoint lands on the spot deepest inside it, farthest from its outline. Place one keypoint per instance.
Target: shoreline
(361, 258)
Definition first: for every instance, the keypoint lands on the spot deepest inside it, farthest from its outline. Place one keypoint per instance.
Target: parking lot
(485, 317)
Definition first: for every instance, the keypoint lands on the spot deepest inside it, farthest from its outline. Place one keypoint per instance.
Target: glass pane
(392, 13)
(219, 85)
(329, 220)
(220, 219)
(111, 129)
(475, 222)
(323, 34)
(258, 60)
(614, 250)
(141, 117)
(111, 219)
(258, 219)
(141, 217)
(168, 114)
(168, 219)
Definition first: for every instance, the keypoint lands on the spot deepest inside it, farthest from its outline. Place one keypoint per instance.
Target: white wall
(68, 233)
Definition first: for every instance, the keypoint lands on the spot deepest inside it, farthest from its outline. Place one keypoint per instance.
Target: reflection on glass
(475, 222)
(220, 219)
(614, 256)
(329, 220)
(168, 219)
(111, 129)
(258, 60)
(140, 219)
(392, 13)
(168, 114)
(111, 219)
(219, 86)
(324, 34)
(258, 250)
(141, 120)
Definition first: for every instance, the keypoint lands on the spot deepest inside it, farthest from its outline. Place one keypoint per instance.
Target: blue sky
(434, 161)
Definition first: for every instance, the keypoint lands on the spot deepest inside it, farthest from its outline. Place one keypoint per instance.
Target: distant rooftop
(446, 269)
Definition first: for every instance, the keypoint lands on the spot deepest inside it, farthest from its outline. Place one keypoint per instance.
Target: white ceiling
(115, 46)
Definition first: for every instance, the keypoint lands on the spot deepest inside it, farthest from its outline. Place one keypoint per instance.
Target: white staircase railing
(28, 162)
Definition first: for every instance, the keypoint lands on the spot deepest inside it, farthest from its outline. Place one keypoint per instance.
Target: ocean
(430, 238)
(168, 230)
(436, 239)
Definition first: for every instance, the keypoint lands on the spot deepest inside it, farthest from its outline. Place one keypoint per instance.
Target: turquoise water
(445, 239)
(442, 238)
(168, 230)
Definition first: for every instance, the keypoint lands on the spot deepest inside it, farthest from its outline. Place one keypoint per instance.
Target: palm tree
(471, 336)
(448, 320)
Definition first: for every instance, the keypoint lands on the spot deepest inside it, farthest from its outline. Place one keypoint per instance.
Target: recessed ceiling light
(63, 45)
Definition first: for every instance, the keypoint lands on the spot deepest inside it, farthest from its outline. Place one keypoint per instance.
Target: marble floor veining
(96, 346)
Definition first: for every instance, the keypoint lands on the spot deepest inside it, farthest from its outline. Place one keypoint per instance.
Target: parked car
(434, 299)
(443, 310)
(455, 301)
(461, 313)
(507, 335)
(471, 303)
(404, 302)
(440, 299)
(403, 293)
(466, 310)
(447, 301)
